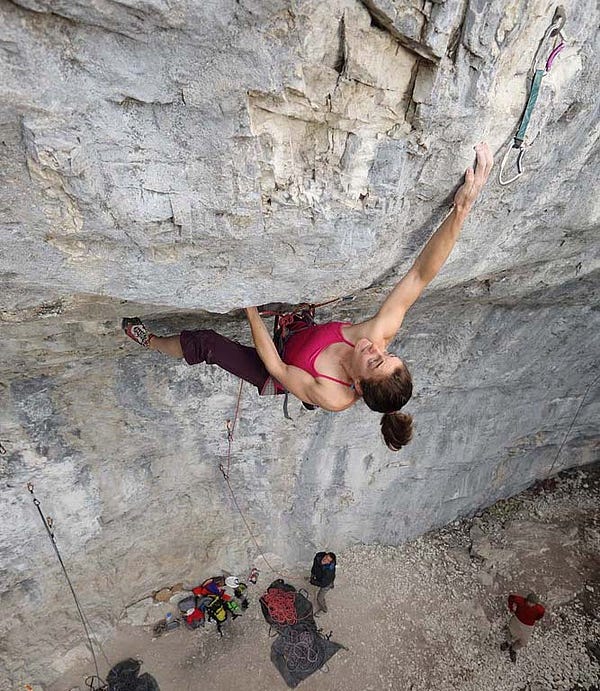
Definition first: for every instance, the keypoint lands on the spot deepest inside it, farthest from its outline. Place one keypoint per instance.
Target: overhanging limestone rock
(180, 160)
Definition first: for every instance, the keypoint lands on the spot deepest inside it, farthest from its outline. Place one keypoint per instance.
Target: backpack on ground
(124, 676)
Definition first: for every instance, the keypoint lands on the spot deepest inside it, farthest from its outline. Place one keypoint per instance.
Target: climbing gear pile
(211, 601)
(539, 69)
(299, 648)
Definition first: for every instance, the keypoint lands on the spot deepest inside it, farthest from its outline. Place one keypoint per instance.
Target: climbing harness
(304, 306)
(95, 682)
(286, 325)
(538, 72)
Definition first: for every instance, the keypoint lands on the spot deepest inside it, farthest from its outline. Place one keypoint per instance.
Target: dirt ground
(430, 614)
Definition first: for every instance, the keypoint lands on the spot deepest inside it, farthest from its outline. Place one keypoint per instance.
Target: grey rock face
(178, 160)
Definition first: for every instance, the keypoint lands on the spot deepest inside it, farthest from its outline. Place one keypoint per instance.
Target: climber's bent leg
(206, 345)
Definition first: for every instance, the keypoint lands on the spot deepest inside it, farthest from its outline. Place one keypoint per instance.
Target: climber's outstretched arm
(384, 325)
(294, 379)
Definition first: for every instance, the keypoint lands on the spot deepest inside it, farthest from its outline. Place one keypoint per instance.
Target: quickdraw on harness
(537, 74)
(284, 327)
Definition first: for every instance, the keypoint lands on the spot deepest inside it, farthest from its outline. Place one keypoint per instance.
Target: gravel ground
(430, 614)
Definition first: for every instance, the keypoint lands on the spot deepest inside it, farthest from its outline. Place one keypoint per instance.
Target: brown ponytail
(387, 396)
(397, 430)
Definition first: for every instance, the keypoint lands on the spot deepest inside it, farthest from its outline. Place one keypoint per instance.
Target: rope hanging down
(48, 523)
(518, 144)
(231, 424)
(564, 441)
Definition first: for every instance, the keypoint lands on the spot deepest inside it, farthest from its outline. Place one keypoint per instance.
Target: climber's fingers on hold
(485, 161)
(475, 178)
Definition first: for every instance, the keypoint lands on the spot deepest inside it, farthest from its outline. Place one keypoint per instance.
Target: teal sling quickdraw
(518, 143)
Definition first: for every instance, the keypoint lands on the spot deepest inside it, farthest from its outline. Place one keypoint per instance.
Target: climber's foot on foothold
(134, 328)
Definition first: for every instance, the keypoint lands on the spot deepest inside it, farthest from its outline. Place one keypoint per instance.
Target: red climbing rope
(281, 605)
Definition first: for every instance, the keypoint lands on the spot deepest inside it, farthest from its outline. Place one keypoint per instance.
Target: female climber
(334, 365)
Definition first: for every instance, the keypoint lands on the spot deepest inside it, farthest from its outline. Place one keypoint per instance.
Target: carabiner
(519, 163)
(558, 20)
(554, 30)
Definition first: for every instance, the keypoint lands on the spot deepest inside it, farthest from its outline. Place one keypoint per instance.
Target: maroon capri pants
(206, 345)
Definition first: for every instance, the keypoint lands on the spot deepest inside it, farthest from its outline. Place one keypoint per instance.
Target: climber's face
(370, 361)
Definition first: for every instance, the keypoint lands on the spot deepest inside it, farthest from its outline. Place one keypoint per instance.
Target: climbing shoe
(133, 327)
(513, 655)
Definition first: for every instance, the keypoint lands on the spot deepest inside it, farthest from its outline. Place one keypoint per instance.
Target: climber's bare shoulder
(333, 396)
(324, 393)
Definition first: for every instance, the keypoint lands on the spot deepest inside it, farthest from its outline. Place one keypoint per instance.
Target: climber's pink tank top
(303, 348)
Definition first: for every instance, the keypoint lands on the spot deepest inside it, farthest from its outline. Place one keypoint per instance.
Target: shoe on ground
(513, 655)
(135, 329)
